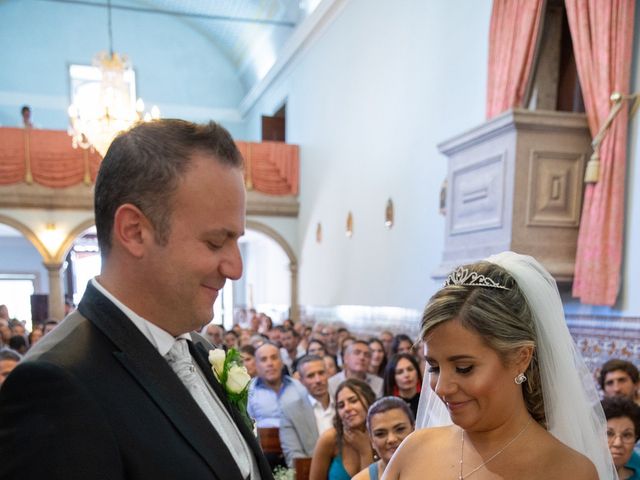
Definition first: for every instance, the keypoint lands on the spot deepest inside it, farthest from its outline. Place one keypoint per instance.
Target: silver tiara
(464, 277)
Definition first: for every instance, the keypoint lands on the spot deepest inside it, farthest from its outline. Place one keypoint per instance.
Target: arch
(273, 234)
(68, 241)
(29, 235)
(293, 262)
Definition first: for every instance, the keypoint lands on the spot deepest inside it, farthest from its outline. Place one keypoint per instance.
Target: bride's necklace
(461, 477)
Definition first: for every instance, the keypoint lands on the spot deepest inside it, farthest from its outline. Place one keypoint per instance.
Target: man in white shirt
(357, 358)
(305, 418)
(291, 349)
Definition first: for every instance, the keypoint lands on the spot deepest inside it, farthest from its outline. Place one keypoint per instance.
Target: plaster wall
(368, 103)
(22, 257)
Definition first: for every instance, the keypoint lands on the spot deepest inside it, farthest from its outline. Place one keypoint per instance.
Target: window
(15, 292)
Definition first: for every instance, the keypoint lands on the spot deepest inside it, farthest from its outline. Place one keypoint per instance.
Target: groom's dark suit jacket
(95, 400)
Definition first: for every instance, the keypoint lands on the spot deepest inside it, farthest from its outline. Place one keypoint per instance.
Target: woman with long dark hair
(402, 378)
(344, 450)
(378, 357)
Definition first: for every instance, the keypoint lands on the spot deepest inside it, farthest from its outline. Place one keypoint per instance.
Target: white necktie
(181, 362)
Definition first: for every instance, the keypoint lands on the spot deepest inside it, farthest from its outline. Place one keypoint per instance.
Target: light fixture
(95, 125)
(389, 216)
(349, 229)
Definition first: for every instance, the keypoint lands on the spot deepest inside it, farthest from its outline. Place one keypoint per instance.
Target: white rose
(216, 359)
(237, 379)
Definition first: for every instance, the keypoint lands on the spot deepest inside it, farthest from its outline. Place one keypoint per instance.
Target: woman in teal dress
(344, 450)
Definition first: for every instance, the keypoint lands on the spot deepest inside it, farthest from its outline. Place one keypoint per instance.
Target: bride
(509, 397)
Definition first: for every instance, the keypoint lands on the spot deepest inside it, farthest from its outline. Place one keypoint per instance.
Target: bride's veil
(572, 405)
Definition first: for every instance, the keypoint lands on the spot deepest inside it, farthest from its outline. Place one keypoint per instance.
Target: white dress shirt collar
(314, 402)
(159, 338)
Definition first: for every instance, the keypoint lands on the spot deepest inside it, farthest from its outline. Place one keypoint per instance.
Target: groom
(98, 397)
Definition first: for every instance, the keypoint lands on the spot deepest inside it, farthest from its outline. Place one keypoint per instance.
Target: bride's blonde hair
(501, 316)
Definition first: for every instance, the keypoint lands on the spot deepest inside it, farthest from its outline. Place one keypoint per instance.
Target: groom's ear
(132, 230)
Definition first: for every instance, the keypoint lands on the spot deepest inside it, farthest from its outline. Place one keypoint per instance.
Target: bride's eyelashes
(460, 370)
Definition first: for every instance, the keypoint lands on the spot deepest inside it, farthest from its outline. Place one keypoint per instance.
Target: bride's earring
(520, 379)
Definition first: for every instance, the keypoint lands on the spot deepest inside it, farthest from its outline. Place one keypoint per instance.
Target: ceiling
(250, 33)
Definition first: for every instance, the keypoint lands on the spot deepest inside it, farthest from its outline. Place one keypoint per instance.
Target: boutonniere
(233, 376)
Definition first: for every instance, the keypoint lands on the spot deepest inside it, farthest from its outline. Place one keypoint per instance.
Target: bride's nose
(444, 385)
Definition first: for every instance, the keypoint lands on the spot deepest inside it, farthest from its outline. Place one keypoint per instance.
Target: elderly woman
(344, 450)
(389, 421)
(623, 431)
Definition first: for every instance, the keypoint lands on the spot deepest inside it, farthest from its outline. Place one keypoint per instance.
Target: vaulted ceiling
(250, 33)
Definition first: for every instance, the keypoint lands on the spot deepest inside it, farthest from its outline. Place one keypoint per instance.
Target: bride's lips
(455, 406)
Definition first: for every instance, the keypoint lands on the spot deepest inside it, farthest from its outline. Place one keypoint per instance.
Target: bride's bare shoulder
(565, 462)
(416, 451)
(425, 436)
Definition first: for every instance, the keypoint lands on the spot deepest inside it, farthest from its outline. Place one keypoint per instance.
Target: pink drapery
(513, 33)
(602, 34)
(271, 167)
(46, 157)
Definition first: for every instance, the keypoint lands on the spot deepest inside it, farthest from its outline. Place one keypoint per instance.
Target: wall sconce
(389, 215)
(51, 237)
(319, 233)
(349, 231)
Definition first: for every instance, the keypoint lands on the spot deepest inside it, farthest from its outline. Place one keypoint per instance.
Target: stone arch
(61, 254)
(29, 235)
(293, 262)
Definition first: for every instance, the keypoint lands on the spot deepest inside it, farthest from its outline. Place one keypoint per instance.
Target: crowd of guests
(318, 384)
(348, 402)
(15, 340)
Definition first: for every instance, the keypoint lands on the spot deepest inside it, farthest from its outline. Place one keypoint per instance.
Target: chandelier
(95, 124)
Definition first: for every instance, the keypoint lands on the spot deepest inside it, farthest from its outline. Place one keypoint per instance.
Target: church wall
(23, 258)
(368, 103)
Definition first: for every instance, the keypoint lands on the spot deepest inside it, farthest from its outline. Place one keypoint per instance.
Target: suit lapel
(200, 354)
(154, 375)
(307, 418)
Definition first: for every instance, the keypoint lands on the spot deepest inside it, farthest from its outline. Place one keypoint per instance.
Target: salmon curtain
(46, 157)
(602, 35)
(271, 167)
(513, 35)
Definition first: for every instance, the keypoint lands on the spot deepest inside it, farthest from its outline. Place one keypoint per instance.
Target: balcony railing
(46, 157)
